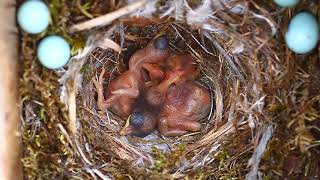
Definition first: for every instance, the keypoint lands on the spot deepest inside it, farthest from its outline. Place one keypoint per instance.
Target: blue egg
(286, 3)
(303, 33)
(53, 52)
(33, 16)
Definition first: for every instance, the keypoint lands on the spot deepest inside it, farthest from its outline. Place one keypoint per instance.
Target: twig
(258, 152)
(107, 43)
(72, 107)
(101, 175)
(108, 18)
(74, 144)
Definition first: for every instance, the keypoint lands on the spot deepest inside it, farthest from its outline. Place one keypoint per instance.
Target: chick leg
(115, 95)
(180, 127)
(190, 125)
(102, 105)
(166, 131)
(129, 92)
(154, 71)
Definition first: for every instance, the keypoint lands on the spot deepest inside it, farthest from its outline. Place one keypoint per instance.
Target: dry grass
(259, 87)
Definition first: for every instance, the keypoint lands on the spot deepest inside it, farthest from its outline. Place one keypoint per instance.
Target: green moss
(167, 161)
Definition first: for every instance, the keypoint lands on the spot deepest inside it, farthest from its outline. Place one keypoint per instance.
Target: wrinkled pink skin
(122, 91)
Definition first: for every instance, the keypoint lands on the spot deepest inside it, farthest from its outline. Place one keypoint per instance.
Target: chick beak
(126, 129)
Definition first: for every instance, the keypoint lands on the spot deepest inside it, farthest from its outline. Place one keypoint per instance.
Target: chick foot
(101, 103)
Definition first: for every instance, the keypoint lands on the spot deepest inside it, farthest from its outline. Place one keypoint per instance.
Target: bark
(10, 135)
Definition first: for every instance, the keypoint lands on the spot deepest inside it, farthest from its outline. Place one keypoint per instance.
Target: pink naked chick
(123, 90)
(174, 106)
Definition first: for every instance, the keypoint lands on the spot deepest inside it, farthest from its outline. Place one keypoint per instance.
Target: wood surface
(10, 135)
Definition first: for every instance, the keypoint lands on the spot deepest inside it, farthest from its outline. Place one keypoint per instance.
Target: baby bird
(174, 95)
(185, 102)
(123, 90)
(180, 68)
(143, 120)
(184, 106)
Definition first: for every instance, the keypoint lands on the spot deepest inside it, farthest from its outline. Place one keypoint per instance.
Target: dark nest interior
(265, 99)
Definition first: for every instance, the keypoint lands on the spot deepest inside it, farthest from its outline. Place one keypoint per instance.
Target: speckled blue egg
(303, 33)
(33, 16)
(53, 52)
(286, 3)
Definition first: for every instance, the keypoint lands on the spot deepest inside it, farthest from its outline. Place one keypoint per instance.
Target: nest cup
(108, 125)
(102, 129)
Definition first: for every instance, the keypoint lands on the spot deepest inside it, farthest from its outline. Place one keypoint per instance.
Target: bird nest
(230, 41)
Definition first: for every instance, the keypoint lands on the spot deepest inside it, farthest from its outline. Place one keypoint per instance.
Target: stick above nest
(108, 18)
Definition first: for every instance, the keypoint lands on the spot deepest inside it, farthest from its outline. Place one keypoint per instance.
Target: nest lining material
(109, 122)
(231, 64)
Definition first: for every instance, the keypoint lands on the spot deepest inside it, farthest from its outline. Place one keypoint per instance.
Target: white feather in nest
(205, 11)
(174, 8)
(147, 10)
(239, 8)
(179, 9)
(201, 14)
